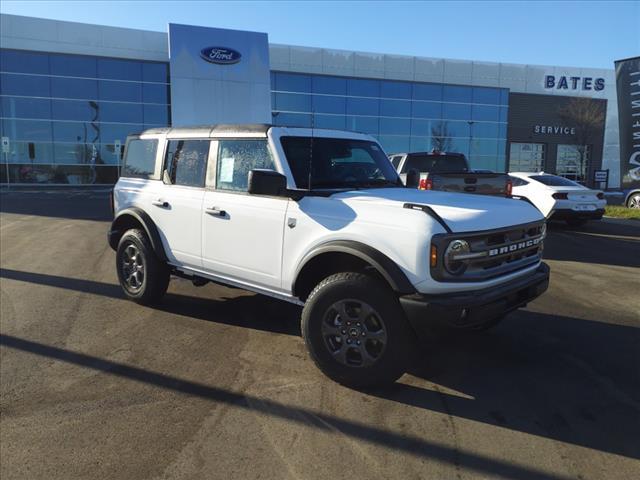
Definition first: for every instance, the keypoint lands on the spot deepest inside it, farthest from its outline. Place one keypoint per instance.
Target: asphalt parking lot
(215, 383)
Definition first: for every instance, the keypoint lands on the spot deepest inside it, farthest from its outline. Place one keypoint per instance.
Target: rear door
(242, 234)
(176, 207)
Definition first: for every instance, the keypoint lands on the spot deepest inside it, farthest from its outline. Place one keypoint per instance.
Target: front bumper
(568, 214)
(473, 308)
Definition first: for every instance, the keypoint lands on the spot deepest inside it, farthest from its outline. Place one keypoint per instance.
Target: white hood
(461, 212)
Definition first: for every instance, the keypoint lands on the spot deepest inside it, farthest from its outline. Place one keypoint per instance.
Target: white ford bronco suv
(320, 218)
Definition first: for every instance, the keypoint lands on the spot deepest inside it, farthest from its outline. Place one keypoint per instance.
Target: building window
(526, 157)
(573, 162)
(403, 116)
(68, 113)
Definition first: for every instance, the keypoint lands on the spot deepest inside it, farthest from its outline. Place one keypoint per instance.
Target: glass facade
(573, 162)
(526, 157)
(403, 116)
(67, 116)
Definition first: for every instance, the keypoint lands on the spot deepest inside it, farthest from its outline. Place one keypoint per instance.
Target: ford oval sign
(220, 55)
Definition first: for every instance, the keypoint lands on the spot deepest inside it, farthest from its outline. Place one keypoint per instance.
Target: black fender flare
(148, 225)
(386, 267)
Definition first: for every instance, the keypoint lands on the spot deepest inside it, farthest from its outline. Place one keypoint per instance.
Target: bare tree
(441, 137)
(585, 117)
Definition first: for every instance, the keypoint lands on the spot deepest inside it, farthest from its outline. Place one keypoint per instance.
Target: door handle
(160, 203)
(216, 211)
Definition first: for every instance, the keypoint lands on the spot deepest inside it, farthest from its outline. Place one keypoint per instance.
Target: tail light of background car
(560, 196)
(509, 188)
(425, 184)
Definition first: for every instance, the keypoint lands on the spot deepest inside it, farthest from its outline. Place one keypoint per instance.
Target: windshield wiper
(378, 182)
(381, 182)
(334, 186)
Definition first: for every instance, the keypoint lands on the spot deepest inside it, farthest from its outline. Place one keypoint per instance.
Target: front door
(177, 209)
(241, 233)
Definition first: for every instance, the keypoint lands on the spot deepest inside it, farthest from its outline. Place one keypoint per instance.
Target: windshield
(553, 181)
(338, 163)
(435, 163)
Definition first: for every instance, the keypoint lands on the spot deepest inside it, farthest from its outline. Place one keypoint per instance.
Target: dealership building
(71, 93)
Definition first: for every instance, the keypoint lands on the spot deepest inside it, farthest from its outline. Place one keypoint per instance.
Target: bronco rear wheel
(144, 278)
(356, 331)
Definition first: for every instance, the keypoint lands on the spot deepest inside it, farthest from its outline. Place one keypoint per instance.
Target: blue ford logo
(220, 55)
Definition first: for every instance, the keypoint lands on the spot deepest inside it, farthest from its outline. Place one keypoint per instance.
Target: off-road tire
(348, 289)
(155, 276)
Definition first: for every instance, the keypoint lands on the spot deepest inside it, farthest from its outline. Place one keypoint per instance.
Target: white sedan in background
(559, 198)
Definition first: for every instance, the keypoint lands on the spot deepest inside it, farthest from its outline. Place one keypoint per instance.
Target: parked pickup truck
(320, 218)
(449, 172)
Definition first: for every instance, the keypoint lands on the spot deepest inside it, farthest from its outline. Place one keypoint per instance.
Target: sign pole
(5, 150)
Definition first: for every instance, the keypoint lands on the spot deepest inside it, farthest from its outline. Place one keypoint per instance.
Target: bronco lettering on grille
(514, 247)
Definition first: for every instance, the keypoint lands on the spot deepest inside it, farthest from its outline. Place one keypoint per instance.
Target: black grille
(492, 253)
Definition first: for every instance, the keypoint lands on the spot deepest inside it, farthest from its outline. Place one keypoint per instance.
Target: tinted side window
(186, 162)
(140, 159)
(554, 181)
(236, 158)
(395, 161)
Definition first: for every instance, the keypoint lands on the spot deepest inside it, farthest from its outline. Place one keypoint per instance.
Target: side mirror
(267, 182)
(413, 178)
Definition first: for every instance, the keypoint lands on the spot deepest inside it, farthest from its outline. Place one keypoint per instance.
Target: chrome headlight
(456, 248)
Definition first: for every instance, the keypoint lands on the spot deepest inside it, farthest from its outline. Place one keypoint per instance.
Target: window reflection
(120, 91)
(324, 84)
(27, 85)
(392, 89)
(73, 65)
(456, 93)
(119, 69)
(24, 62)
(395, 126)
(395, 108)
(363, 106)
(336, 122)
(20, 107)
(74, 88)
(78, 110)
(328, 104)
(64, 113)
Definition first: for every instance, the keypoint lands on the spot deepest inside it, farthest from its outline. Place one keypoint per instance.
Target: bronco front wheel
(356, 331)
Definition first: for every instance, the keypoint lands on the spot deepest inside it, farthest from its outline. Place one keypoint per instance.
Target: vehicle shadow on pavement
(566, 379)
(482, 465)
(256, 312)
(556, 377)
(566, 243)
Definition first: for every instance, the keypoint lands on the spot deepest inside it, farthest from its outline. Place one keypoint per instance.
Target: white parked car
(321, 219)
(559, 198)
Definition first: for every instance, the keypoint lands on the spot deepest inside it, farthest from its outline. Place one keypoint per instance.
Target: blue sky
(574, 33)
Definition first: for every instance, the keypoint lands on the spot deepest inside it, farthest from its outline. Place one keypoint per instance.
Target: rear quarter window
(554, 181)
(140, 158)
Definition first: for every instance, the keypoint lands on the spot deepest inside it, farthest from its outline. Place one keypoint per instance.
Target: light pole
(470, 122)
